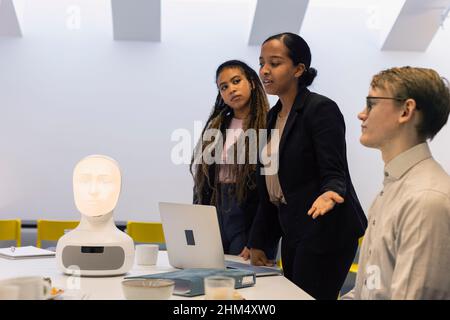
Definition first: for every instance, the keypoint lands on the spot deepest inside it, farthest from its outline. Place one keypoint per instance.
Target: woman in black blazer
(310, 203)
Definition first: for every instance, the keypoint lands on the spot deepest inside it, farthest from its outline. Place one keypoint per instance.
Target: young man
(406, 249)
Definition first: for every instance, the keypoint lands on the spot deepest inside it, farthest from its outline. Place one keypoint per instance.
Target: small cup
(147, 254)
(219, 288)
(30, 288)
(9, 292)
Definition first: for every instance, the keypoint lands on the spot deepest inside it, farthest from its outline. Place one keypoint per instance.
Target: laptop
(192, 235)
(193, 239)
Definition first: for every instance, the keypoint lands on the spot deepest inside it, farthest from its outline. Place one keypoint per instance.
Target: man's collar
(398, 166)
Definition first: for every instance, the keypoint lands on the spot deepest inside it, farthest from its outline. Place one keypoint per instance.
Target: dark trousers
(233, 222)
(320, 275)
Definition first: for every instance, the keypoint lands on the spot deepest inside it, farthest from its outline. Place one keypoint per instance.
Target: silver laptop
(193, 239)
(192, 235)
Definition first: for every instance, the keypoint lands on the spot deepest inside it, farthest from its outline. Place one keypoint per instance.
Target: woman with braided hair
(229, 182)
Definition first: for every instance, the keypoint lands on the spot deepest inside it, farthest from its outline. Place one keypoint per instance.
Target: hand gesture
(324, 203)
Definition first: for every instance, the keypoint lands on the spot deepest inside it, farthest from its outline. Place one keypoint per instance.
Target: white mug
(147, 254)
(30, 288)
(9, 292)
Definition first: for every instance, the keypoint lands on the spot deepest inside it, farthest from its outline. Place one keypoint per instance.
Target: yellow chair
(52, 230)
(10, 230)
(280, 264)
(150, 232)
(354, 266)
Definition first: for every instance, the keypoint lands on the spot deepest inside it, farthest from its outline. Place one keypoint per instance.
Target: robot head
(96, 185)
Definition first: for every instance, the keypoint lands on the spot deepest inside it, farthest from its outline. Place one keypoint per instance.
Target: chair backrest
(150, 232)
(52, 230)
(354, 266)
(10, 230)
(360, 240)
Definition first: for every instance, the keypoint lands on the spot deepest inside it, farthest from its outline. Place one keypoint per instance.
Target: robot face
(96, 185)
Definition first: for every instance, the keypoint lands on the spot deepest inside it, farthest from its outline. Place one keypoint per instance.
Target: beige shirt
(405, 253)
(271, 150)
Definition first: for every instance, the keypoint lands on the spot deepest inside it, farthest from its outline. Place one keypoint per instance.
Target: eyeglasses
(370, 103)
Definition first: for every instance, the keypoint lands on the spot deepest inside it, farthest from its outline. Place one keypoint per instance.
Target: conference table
(110, 288)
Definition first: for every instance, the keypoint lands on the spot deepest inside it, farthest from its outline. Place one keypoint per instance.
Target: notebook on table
(258, 270)
(27, 252)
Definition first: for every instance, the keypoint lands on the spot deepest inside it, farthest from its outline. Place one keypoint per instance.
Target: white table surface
(109, 288)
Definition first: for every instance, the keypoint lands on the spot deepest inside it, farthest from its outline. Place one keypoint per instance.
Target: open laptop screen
(192, 235)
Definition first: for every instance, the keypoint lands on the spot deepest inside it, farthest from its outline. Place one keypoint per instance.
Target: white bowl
(147, 289)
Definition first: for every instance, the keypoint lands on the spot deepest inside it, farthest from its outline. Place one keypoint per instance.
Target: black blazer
(312, 160)
(249, 204)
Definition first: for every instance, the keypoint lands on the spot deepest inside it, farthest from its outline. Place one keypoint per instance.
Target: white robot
(96, 247)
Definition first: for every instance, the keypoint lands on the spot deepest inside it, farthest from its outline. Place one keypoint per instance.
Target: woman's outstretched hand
(324, 203)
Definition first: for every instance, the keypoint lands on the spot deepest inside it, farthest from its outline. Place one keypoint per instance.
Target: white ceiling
(405, 25)
(9, 24)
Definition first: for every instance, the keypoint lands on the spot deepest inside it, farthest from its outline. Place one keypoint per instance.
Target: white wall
(65, 94)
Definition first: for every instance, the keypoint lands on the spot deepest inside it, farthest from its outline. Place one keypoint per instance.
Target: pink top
(234, 130)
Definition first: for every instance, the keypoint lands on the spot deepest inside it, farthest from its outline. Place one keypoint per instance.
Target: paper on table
(25, 252)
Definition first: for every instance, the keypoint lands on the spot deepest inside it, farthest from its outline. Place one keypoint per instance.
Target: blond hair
(426, 87)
